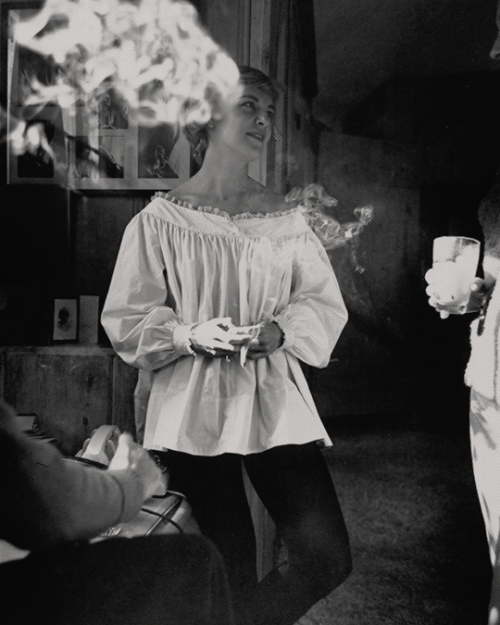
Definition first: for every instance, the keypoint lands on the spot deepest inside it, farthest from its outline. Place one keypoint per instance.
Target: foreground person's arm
(48, 499)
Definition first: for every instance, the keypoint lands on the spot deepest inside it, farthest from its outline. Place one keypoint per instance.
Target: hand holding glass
(455, 261)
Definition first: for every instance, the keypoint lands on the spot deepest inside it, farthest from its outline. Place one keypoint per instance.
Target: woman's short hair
(197, 134)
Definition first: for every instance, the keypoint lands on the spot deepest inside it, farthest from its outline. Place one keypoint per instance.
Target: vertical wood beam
(244, 32)
(260, 25)
(260, 32)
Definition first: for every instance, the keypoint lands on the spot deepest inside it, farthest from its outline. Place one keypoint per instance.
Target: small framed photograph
(65, 321)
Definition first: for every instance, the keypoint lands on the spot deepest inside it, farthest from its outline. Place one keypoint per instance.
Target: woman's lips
(256, 135)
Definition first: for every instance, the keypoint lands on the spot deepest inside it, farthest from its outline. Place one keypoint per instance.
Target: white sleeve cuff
(180, 338)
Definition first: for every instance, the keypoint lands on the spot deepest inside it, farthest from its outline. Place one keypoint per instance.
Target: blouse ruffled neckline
(222, 213)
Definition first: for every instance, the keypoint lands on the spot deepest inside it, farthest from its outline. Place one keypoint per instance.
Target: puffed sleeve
(142, 328)
(316, 314)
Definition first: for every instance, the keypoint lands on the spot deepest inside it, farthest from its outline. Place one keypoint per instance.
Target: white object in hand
(454, 281)
(253, 333)
(131, 456)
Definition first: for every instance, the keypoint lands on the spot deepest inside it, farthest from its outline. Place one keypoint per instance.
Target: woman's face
(245, 125)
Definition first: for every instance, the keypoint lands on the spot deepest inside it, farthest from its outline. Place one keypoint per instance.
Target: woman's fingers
(429, 276)
(219, 337)
(268, 341)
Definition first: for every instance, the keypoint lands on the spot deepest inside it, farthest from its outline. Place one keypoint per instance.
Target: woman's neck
(221, 180)
(224, 177)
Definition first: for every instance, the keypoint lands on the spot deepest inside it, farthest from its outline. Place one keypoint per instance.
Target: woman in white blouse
(196, 266)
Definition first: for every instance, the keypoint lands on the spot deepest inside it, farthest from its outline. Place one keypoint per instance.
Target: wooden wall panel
(123, 385)
(69, 392)
(2, 374)
(99, 223)
(260, 34)
(98, 227)
(370, 371)
(72, 389)
(228, 24)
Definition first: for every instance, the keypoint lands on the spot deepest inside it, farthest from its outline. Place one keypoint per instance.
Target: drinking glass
(454, 264)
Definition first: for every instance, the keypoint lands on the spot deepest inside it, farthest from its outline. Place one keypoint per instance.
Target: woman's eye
(251, 106)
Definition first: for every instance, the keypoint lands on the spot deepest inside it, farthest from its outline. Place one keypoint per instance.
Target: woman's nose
(263, 120)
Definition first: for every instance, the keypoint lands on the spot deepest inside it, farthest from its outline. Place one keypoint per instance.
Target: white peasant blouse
(180, 265)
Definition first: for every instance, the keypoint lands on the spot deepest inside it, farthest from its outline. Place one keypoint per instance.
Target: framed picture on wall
(65, 320)
(99, 144)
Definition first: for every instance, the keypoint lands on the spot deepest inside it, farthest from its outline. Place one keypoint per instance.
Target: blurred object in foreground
(98, 91)
(152, 51)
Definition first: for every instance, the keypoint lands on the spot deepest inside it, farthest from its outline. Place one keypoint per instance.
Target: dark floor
(407, 491)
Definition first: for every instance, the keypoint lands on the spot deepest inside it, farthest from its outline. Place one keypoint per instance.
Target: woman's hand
(270, 338)
(217, 338)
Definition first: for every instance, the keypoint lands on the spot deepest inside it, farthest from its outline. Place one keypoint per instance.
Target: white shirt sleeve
(143, 330)
(316, 314)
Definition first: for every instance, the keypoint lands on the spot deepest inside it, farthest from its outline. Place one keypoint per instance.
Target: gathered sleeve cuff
(316, 314)
(144, 330)
(181, 339)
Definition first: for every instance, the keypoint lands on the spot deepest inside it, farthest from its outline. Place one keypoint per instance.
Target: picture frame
(65, 320)
(100, 146)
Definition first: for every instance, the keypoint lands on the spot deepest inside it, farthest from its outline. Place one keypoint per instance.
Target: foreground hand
(131, 456)
(270, 338)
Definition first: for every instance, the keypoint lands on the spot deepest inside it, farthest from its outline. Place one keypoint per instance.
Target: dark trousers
(295, 486)
(167, 580)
